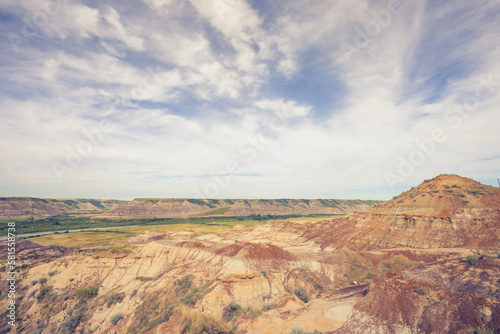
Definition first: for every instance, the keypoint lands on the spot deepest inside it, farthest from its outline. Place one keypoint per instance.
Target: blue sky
(246, 99)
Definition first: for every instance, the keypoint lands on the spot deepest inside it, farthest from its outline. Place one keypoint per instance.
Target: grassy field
(101, 238)
(68, 222)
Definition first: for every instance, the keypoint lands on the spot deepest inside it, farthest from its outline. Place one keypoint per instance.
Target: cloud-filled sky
(246, 99)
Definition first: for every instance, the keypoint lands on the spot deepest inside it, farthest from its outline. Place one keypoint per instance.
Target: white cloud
(200, 83)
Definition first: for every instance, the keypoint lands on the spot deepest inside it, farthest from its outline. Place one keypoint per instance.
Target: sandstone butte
(427, 261)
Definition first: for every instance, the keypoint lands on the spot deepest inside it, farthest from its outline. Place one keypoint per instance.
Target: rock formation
(373, 272)
(447, 211)
(22, 207)
(180, 207)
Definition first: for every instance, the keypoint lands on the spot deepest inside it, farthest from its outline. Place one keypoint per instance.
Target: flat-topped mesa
(23, 207)
(184, 207)
(443, 196)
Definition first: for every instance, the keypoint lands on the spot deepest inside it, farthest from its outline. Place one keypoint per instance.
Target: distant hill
(182, 207)
(447, 211)
(19, 207)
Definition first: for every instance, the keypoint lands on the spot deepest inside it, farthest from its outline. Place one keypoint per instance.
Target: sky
(246, 99)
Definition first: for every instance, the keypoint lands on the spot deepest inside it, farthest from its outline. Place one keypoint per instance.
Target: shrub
(301, 293)
(497, 253)
(115, 318)
(134, 292)
(298, 330)
(422, 290)
(66, 294)
(88, 292)
(42, 280)
(52, 273)
(143, 278)
(357, 268)
(232, 311)
(472, 260)
(198, 322)
(115, 298)
(268, 306)
(70, 325)
(33, 282)
(253, 313)
(43, 292)
(398, 262)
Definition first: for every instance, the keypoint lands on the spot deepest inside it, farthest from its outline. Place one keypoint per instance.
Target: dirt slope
(447, 211)
(246, 281)
(18, 207)
(180, 207)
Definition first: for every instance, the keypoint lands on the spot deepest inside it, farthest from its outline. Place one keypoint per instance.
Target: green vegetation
(189, 296)
(399, 262)
(299, 330)
(154, 310)
(358, 268)
(472, 260)
(43, 292)
(42, 280)
(115, 298)
(115, 318)
(87, 293)
(216, 212)
(232, 311)
(302, 294)
(422, 290)
(268, 306)
(311, 278)
(199, 323)
(69, 222)
(144, 278)
(69, 326)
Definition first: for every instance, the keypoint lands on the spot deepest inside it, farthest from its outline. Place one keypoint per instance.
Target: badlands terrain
(12, 207)
(427, 261)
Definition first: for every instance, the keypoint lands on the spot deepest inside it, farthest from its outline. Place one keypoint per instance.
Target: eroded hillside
(22, 207)
(266, 279)
(447, 211)
(181, 207)
(413, 265)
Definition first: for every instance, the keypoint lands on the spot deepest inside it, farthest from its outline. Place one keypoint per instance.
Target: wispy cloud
(310, 100)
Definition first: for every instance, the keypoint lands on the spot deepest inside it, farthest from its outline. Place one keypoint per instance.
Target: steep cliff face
(168, 207)
(297, 206)
(175, 207)
(447, 211)
(18, 207)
